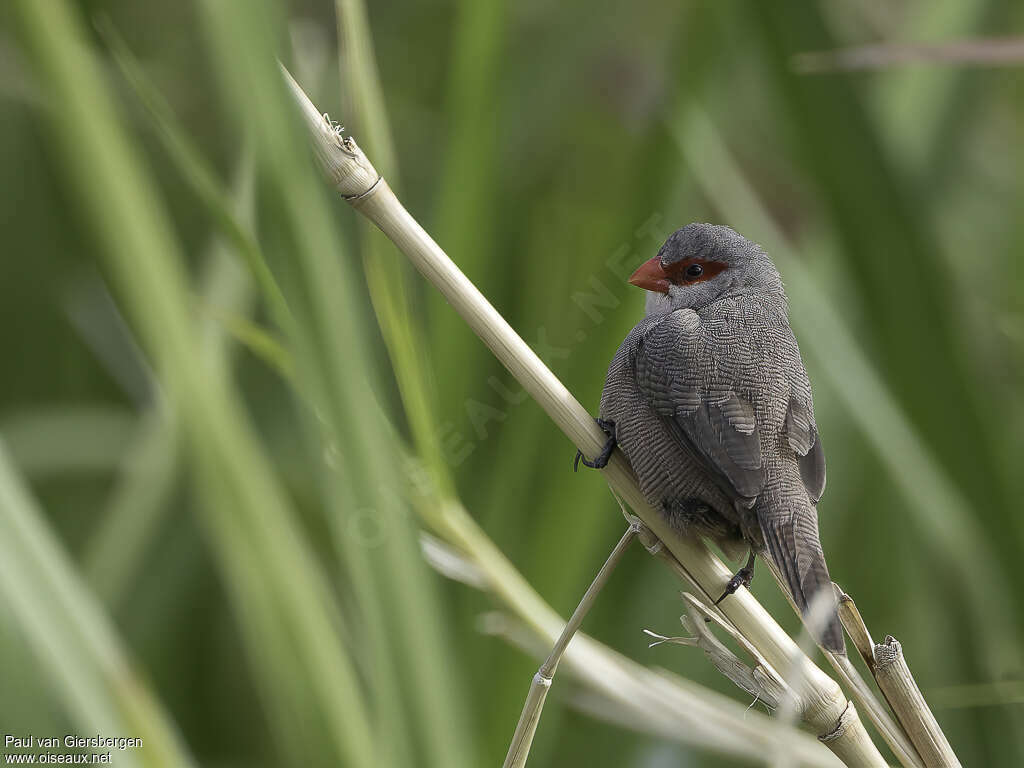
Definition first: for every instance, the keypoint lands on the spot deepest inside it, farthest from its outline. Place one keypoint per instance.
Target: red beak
(651, 277)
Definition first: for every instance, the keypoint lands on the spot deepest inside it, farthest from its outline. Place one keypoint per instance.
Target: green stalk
(244, 505)
(117, 547)
(72, 637)
(392, 587)
(387, 273)
(467, 205)
(195, 171)
(435, 692)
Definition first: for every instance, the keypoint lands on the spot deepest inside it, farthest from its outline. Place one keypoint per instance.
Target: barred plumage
(712, 406)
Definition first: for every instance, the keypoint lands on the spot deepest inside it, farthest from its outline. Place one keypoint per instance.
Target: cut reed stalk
(897, 684)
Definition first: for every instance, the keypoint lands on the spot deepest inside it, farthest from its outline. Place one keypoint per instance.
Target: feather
(792, 541)
(802, 436)
(714, 425)
(812, 470)
(798, 427)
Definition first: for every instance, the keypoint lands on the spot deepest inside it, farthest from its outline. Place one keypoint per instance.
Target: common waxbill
(710, 402)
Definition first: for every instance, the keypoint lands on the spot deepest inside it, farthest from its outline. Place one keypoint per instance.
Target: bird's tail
(792, 541)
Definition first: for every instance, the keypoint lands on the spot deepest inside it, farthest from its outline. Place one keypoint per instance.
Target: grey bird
(709, 400)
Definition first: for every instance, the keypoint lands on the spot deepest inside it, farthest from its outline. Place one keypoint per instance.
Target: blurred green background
(211, 485)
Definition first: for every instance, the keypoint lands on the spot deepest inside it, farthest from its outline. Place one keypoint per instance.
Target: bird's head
(699, 264)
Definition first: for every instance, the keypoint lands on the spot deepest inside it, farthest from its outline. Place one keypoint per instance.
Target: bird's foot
(601, 460)
(742, 578)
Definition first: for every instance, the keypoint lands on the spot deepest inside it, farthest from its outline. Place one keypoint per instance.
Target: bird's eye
(694, 271)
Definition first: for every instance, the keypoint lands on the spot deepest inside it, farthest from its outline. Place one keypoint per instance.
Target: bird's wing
(802, 435)
(705, 411)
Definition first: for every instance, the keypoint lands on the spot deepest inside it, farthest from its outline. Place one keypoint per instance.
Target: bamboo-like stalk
(519, 749)
(825, 708)
(897, 684)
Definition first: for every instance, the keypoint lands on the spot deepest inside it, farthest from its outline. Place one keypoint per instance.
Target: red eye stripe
(677, 272)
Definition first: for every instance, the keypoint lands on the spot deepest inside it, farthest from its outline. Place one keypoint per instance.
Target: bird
(709, 400)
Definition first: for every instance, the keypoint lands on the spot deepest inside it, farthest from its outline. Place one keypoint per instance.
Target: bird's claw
(741, 579)
(601, 460)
